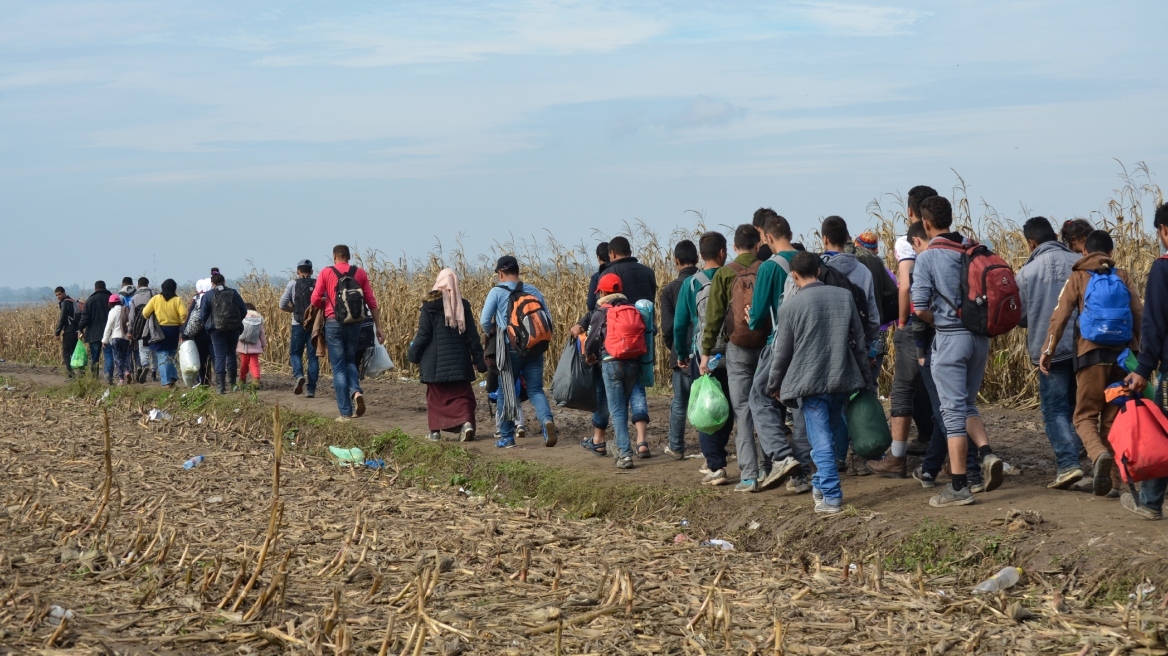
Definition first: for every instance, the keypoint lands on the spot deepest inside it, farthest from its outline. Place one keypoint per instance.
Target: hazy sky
(167, 137)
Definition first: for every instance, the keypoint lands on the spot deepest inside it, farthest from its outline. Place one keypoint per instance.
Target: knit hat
(869, 240)
(609, 283)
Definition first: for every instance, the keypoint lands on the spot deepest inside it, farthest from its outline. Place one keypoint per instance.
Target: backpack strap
(736, 268)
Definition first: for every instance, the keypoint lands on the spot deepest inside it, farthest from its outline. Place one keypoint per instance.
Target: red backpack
(991, 304)
(1139, 436)
(624, 337)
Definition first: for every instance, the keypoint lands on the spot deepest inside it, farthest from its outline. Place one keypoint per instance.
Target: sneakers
(704, 470)
(549, 433)
(676, 455)
(624, 462)
(747, 485)
(343, 419)
(434, 436)
(816, 495)
(991, 468)
(951, 497)
(1102, 474)
(889, 466)
(1113, 494)
(1129, 503)
(310, 394)
(824, 508)
(358, 403)
(798, 484)
(520, 431)
(977, 487)
(716, 478)
(300, 383)
(505, 443)
(780, 471)
(928, 481)
(1066, 479)
(467, 433)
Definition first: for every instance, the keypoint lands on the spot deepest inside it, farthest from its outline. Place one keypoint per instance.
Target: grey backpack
(701, 299)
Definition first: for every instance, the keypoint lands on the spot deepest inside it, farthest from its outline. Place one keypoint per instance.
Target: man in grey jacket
(820, 359)
(835, 239)
(146, 356)
(1040, 280)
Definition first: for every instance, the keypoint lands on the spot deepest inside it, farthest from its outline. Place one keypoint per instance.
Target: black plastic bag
(574, 383)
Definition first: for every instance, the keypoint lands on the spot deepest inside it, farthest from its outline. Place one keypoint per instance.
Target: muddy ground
(149, 572)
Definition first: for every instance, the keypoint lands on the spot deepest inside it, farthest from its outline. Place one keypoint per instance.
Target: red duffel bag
(1139, 437)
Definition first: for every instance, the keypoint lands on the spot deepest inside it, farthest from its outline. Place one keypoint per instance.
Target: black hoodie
(94, 316)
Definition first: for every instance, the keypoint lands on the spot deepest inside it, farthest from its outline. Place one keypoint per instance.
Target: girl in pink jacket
(252, 342)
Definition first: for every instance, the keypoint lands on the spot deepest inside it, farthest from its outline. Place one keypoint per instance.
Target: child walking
(252, 342)
(115, 340)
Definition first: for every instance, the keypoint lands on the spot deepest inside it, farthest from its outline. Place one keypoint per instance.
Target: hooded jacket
(443, 354)
(67, 320)
(94, 316)
(1070, 301)
(258, 347)
(141, 297)
(860, 276)
(1039, 281)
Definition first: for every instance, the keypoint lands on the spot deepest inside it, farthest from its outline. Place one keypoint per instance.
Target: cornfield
(562, 272)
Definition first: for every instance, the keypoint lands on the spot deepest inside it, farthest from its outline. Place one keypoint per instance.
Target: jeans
(681, 385)
(713, 445)
(938, 448)
(767, 414)
(1055, 391)
(108, 368)
(620, 379)
(68, 345)
(147, 357)
(824, 415)
(167, 371)
(531, 371)
(302, 341)
(342, 351)
(123, 358)
(637, 400)
(959, 362)
(741, 364)
(94, 357)
(223, 343)
(1152, 493)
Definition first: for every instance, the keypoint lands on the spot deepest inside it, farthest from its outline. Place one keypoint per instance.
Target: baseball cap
(507, 263)
(609, 283)
(304, 263)
(114, 298)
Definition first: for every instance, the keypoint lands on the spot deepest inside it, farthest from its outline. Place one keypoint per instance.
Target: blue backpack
(1106, 318)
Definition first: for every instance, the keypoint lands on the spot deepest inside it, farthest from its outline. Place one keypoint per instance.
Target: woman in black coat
(448, 350)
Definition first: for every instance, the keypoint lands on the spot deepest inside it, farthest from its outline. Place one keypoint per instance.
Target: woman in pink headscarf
(448, 351)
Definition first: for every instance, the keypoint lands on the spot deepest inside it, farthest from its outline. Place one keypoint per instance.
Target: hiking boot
(520, 431)
(221, 383)
(716, 478)
(780, 471)
(624, 462)
(1065, 479)
(505, 443)
(798, 484)
(1102, 474)
(747, 485)
(467, 433)
(951, 497)
(358, 403)
(824, 508)
(857, 466)
(1131, 504)
(300, 383)
(992, 469)
(889, 466)
(549, 433)
(434, 436)
(676, 455)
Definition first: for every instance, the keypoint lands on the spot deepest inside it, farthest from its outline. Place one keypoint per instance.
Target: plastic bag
(188, 358)
(379, 361)
(80, 356)
(649, 360)
(574, 383)
(867, 425)
(708, 408)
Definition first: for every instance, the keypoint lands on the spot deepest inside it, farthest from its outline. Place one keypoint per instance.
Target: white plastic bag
(188, 358)
(379, 361)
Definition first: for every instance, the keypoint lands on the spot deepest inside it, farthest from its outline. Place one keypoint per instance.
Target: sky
(166, 138)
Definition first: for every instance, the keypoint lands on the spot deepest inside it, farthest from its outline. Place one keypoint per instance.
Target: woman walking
(223, 310)
(171, 313)
(198, 332)
(448, 349)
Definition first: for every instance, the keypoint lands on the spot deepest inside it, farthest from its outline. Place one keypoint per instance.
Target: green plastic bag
(708, 408)
(80, 356)
(867, 425)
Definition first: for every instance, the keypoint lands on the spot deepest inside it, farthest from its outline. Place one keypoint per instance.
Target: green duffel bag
(867, 425)
(80, 356)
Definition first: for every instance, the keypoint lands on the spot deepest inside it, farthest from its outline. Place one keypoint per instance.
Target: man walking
(145, 357)
(66, 330)
(297, 300)
(343, 292)
(91, 326)
(685, 260)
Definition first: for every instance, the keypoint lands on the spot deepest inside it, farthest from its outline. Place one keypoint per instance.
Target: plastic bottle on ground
(193, 462)
(1000, 581)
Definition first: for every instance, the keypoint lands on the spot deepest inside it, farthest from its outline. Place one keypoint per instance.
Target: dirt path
(1076, 525)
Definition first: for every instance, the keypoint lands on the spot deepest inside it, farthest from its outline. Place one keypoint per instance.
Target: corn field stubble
(562, 273)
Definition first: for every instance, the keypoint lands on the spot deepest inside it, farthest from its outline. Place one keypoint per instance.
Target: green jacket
(720, 300)
(685, 316)
(768, 292)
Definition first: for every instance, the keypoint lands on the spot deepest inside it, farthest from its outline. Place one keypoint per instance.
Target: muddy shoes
(1102, 474)
(992, 468)
(889, 467)
(716, 478)
(1130, 503)
(781, 470)
(951, 497)
(467, 433)
(1065, 479)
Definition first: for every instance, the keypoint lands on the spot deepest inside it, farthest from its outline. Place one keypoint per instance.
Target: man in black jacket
(67, 327)
(685, 258)
(602, 264)
(91, 326)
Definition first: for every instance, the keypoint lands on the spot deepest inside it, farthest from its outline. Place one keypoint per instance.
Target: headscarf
(451, 299)
(169, 287)
(202, 286)
(868, 240)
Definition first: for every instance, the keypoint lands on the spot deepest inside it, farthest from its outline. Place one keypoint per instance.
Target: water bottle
(713, 363)
(1000, 581)
(193, 462)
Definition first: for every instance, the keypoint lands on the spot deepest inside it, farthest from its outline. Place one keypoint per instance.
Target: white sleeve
(904, 250)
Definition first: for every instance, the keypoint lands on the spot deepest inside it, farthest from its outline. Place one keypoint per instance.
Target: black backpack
(302, 297)
(833, 277)
(225, 311)
(349, 300)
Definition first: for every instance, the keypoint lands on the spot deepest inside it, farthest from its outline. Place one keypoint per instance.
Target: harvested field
(376, 562)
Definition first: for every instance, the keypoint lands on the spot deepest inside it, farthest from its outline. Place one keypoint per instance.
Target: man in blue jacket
(1153, 356)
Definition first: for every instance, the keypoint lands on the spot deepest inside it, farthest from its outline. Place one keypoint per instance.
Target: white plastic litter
(724, 545)
(158, 415)
(56, 614)
(1005, 578)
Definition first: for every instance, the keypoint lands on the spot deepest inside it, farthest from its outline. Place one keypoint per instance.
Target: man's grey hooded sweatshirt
(1040, 280)
(819, 346)
(860, 276)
